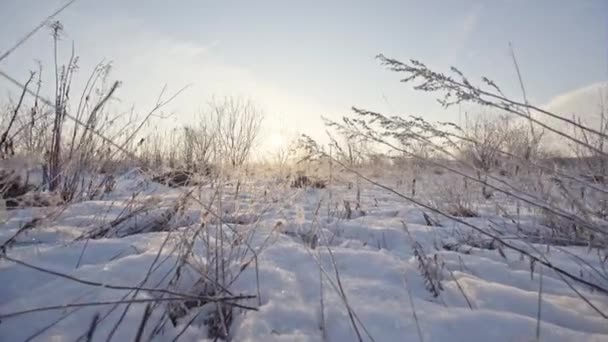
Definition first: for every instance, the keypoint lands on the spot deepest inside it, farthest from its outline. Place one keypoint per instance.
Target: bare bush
(237, 123)
(485, 138)
(199, 146)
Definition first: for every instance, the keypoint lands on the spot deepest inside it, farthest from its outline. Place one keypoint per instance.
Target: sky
(302, 60)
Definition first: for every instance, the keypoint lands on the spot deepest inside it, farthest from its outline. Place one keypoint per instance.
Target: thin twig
(36, 29)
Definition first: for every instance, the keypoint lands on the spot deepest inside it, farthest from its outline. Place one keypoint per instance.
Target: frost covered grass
(261, 260)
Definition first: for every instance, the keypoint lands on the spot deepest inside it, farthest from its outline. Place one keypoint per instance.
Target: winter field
(118, 224)
(258, 259)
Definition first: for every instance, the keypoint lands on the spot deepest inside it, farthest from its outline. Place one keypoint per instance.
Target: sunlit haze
(302, 60)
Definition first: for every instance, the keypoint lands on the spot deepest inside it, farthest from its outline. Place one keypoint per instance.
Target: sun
(276, 140)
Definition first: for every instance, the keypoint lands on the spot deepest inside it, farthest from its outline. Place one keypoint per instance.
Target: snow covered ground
(313, 265)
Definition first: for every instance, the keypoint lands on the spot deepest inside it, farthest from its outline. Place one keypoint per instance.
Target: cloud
(584, 103)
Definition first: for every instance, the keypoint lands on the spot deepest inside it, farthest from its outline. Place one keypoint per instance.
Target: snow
(306, 251)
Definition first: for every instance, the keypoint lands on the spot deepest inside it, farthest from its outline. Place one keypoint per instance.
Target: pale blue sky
(301, 60)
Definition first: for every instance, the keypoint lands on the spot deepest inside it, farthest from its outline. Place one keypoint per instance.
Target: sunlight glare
(276, 140)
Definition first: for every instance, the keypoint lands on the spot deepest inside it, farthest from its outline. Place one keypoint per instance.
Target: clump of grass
(176, 178)
(430, 269)
(457, 201)
(303, 181)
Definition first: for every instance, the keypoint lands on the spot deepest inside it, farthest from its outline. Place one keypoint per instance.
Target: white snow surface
(485, 296)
